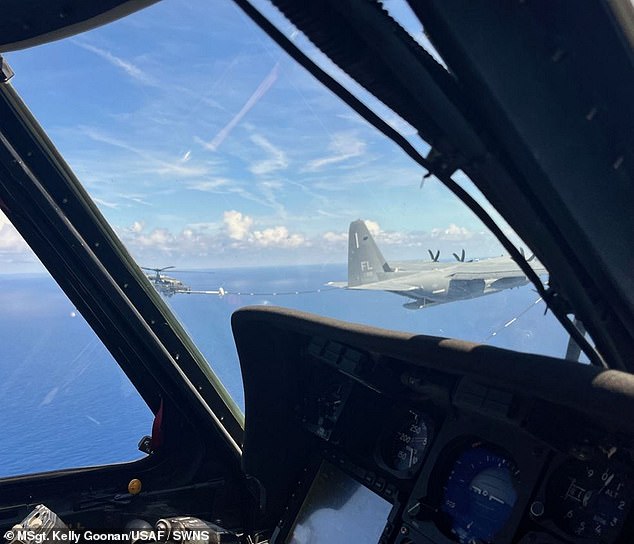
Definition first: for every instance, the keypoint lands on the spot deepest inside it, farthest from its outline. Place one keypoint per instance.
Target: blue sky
(204, 145)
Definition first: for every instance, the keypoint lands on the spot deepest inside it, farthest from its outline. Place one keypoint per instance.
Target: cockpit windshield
(234, 178)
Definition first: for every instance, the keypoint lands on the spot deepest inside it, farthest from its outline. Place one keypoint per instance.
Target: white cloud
(106, 203)
(208, 185)
(276, 161)
(279, 237)
(160, 239)
(453, 233)
(344, 146)
(137, 226)
(128, 67)
(10, 239)
(150, 161)
(237, 225)
(397, 238)
(373, 227)
(335, 237)
(135, 198)
(261, 90)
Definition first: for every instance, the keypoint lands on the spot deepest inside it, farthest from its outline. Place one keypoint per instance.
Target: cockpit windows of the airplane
(63, 396)
(235, 178)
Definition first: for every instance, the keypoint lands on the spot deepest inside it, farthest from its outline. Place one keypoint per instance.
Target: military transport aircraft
(351, 433)
(428, 283)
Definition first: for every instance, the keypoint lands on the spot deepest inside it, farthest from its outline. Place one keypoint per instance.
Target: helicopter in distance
(165, 285)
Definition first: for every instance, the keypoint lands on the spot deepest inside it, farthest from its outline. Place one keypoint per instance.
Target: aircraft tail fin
(366, 263)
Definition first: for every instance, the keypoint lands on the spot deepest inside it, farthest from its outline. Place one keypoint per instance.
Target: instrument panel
(461, 465)
(461, 457)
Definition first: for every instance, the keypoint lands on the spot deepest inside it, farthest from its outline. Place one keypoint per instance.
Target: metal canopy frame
(551, 83)
(521, 120)
(47, 205)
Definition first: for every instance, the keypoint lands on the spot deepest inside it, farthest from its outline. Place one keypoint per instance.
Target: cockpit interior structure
(334, 429)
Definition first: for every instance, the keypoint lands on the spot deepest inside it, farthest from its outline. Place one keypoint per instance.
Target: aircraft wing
(385, 285)
(493, 269)
(395, 284)
(340, 284)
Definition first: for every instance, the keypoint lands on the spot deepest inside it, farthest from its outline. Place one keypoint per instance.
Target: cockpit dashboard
(361, 435)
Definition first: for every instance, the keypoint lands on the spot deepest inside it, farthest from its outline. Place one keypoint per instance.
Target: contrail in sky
(262, 89)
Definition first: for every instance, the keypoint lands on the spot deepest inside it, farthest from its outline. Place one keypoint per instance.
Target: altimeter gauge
(590, 498)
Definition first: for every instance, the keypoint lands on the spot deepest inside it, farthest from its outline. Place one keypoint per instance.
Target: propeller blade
(456, 257)
(524, 255)
(431, 255)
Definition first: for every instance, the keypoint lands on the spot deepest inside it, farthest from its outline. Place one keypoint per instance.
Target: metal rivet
(96, 244)
(591, 114)
(64, 201)
(125, 285)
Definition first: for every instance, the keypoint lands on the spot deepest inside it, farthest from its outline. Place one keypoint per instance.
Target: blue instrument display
(479, 494)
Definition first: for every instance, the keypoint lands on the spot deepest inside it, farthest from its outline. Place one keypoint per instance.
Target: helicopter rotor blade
(157, 270)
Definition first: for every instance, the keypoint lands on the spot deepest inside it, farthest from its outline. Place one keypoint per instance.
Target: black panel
(24, 23)
(318, 389)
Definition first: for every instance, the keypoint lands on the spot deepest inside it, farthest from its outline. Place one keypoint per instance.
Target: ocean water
(66, 403)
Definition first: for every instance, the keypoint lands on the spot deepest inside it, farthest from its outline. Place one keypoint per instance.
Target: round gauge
(479, 494)
(590, 499)
(406, 447)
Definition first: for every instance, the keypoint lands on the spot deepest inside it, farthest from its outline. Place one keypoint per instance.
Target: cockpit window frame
(48, 206)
